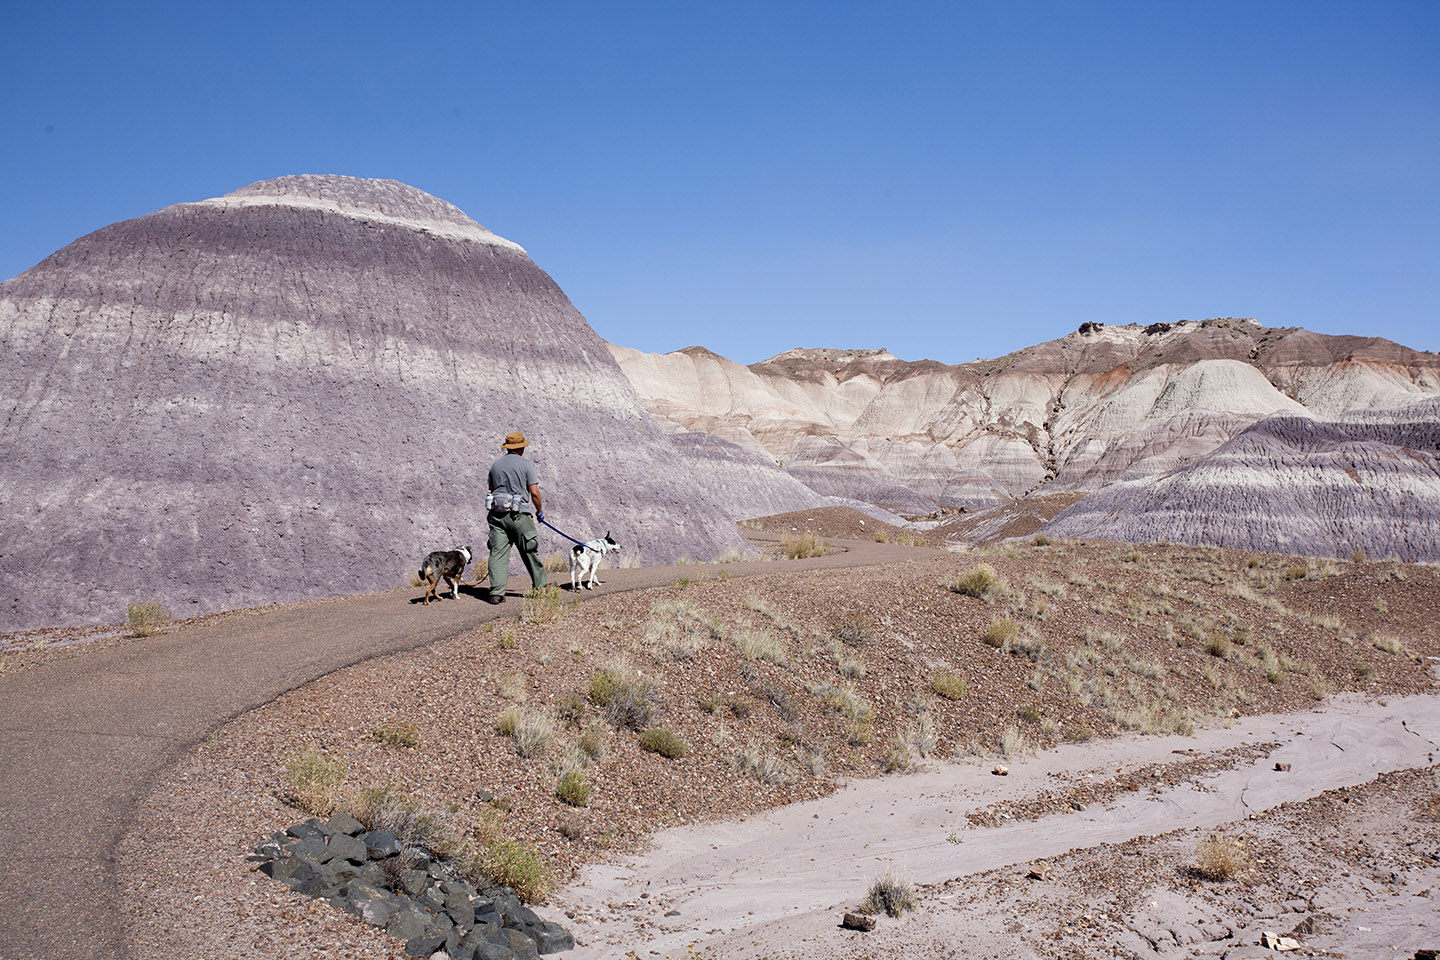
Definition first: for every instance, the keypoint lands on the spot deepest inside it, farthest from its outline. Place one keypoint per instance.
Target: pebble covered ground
(779, 687)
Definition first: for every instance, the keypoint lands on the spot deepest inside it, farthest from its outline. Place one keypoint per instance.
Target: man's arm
(535, 496)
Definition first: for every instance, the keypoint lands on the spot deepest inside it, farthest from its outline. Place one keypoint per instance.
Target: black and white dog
(447, 565)
(585, 560)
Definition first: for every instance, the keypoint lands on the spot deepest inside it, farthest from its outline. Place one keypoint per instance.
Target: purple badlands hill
(1369, 480)
(295, 391)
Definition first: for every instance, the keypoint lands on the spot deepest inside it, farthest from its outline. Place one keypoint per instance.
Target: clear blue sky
(948, 180)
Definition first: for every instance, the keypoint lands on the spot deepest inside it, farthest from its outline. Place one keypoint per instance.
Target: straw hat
(515, 441)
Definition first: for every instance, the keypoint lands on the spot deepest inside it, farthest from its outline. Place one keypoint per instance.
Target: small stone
(1001, 770)
(1282, 767)
(673, 913)
(858, 921)
(1040, 871)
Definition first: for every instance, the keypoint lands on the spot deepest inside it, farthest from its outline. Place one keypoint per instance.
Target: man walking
(513, 487)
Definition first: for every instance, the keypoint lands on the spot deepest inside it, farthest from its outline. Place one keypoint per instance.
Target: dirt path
(83, 735)
(776, 885)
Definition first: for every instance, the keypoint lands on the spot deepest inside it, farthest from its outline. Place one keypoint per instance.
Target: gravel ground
(1130, 643)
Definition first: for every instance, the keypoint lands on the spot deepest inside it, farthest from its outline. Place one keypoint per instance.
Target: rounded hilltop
(387, 201)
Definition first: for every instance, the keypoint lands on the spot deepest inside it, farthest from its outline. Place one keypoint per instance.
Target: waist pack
(506, 502)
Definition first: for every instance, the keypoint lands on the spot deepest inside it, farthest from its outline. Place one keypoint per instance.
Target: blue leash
(568, 537)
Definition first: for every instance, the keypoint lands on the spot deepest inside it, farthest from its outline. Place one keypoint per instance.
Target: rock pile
(415, 896)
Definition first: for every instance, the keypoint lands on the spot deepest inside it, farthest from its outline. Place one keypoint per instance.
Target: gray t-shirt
(511, 476)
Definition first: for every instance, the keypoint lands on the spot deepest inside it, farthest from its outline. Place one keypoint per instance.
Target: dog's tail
(427, 574)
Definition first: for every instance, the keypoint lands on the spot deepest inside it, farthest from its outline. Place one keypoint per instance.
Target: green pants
(518, 529)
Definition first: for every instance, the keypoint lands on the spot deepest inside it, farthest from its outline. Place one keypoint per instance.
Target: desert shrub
(740, 708)
(1219, 857)
(509, 863)
(315, 781)
(592, 742)
(667, 743)
(1364, 671)
(623, 696)
(851, 667)
(761, 645)
(1027, 643)
(919, 736)
(386, 808)
(546, 605)
(1133, 556)
(1029, 713)
(842, 700)
(1295, 573)
(396, 733)
(1013, 743)
(507, 640)
(556, 562)
(531, 730)
(680, 628)
(854, 629)
(889, 895)
(980, 582)
(1218, 646)
(882, 536)
(802, 545)
(1386, 643)
(1079, 733)
(763, 767)
(573, 789)
(147, 618)
(1000, 631)
(951, 686)
(1041, 540)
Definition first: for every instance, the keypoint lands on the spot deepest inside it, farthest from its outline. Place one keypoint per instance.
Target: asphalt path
(84, 736)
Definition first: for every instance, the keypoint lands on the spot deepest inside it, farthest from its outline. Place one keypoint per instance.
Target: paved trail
(84, 736)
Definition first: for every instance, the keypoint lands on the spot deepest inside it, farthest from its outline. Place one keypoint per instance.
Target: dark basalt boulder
(296, 391)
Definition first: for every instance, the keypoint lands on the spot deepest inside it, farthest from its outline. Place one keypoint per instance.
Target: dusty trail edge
(766, 884)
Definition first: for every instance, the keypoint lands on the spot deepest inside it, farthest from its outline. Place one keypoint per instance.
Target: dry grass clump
(766, 768)
(396, 733)
(546, 605)
(315, 781)
(556, 562)
(889, 895)
(1041, 540)
(1000, 632)
(1387, 643)
(761, 645)
(1296, 573)
(573, 789)
(147, 618)
(980, 582)
(1219, 857)
(667, 743)
(510, 863)
(854, 629)
(680, 628)
(951, 686)
(532, 730)
(803, 545)
(843, 701)
(623, 696)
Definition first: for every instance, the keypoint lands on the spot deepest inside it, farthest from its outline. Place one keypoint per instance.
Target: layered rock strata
(295, 391)
(1367, 481)
(1070, 414)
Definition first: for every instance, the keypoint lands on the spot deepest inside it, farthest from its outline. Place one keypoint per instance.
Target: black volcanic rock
(296, 391)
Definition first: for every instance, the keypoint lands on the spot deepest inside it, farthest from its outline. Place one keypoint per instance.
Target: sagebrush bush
(147, 618)
(667, 743)
(531, 730)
